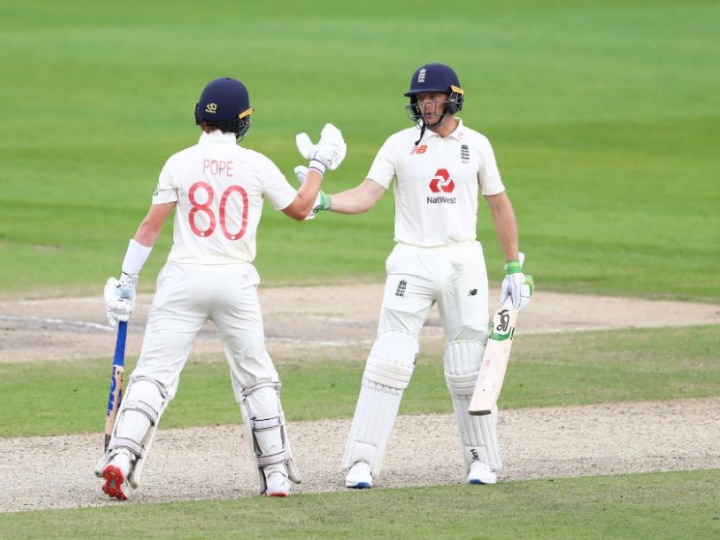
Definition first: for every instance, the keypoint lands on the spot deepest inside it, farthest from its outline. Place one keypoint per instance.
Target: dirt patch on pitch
(301, 322)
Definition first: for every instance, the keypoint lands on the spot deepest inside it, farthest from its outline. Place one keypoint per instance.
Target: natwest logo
(442, 182)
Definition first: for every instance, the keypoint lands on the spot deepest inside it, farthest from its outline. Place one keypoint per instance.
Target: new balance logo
(472, 292)
(418, 149)
(465, 153)
(401, 288)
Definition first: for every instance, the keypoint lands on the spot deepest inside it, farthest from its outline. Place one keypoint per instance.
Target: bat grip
(119, 358)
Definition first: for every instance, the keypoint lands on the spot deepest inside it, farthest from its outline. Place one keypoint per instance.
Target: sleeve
(166, 190)
(488, 173)
(382, 169)
(276, 187)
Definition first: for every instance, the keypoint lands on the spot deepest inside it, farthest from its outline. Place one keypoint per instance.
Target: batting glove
(120, 298)
(517, 288)
(526, 291)
(328, 153)
(322, 201)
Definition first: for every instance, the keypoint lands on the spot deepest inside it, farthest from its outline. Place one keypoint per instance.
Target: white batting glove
(517, 288)
(328, 153)
(526, 291)
(322, 201)
(120, 298)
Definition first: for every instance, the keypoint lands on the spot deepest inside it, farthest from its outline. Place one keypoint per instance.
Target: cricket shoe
(359, 476)
(115, 474)
(481, 473)
(278, 485)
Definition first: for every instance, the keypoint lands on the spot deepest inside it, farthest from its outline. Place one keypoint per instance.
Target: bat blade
(494, 362)
(116, 382)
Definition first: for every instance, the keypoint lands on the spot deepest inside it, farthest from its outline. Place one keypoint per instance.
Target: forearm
(151, 226)
(146, 235)
(507, 233)
(358, 199)
(347, 202)
(308, 192)
(505, 224)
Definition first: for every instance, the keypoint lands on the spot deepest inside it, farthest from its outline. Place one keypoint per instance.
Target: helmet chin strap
(425, 125)
(422, 132)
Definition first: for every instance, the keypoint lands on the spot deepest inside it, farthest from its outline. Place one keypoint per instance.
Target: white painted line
(81, 324)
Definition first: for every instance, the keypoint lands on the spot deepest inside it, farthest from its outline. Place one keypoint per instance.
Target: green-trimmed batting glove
(322, 202)
(526, 291)
(517, 287)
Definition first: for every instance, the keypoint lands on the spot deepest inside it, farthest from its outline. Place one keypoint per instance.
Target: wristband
(317, 165)
(513, 267)
(135, 258)
(128, 279)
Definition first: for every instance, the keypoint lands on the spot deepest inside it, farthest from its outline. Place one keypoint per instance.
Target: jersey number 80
(206, 208)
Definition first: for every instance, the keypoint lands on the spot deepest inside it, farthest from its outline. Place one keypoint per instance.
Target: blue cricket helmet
(435, 77)
(225, 103)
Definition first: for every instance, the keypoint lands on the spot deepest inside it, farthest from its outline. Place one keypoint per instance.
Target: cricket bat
(494, 362)
(116, 382)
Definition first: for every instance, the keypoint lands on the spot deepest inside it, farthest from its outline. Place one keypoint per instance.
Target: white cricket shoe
(481, 473)
(115, 474)
(278, 485)
(359, 476)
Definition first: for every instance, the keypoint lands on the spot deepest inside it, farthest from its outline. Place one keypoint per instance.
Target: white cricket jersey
(436, 183)
(219, 188)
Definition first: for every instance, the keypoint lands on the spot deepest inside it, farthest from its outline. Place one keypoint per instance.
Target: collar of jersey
(218, 136)
(456, 134)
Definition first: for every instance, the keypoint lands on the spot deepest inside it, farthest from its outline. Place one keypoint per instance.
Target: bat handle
(119, 358)
(116, 382)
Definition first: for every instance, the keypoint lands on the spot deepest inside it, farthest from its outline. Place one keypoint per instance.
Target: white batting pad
(264, 422)
(387, 373)
(137, 422)
(375, 415)
(478, 434)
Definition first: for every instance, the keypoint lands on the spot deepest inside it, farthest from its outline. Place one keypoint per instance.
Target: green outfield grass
(546, 370)
(604, 122)
(604, 117)
(637, 506)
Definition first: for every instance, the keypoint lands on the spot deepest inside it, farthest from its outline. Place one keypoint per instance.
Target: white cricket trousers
(452, 276)
(187, 297)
